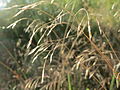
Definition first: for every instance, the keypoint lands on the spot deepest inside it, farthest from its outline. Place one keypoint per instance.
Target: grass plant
(66, 45)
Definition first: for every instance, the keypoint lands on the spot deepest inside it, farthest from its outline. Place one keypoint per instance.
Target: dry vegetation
(65, 46)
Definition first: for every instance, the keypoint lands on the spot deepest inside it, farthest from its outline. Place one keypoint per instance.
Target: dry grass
(65, 52)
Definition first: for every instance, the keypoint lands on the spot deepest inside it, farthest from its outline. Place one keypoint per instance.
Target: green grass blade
(112, 82)
(69, 82)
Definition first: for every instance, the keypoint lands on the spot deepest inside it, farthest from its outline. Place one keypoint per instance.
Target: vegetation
(63, 45)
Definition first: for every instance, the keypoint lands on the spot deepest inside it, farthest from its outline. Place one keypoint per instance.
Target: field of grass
(62, 45)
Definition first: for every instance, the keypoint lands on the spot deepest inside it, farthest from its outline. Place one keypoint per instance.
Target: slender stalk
(112, 82)
(69, 82)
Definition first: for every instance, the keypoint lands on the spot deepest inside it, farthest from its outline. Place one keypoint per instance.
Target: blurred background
(46, 44)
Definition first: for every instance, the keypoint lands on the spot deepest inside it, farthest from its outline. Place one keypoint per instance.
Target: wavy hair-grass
(68, 53)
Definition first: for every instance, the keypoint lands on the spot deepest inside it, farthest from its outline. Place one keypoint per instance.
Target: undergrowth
(66, 45)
